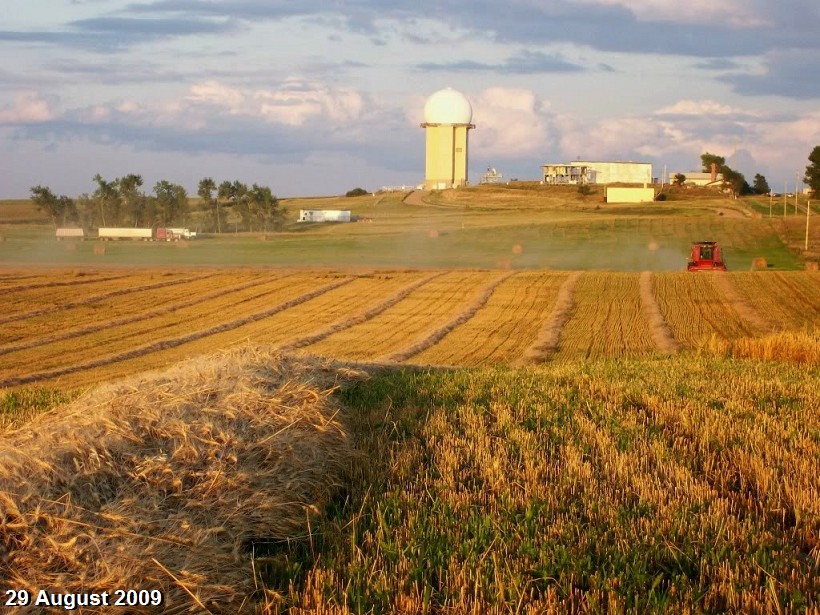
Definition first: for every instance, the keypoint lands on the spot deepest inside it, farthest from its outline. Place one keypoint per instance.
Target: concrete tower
(447, 117)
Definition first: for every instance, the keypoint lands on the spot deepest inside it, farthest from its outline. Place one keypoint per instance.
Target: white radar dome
(448, 106)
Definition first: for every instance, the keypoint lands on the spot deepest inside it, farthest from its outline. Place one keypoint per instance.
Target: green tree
(356, 192)
(107, 198)
(171, 201)
(132, 198)
(680, 178)
(707, 159)
(812, 178)
(735, 181)
(207, 187)
(760, 186)
(60, 209)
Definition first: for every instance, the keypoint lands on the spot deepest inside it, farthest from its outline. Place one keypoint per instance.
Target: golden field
(69, 328)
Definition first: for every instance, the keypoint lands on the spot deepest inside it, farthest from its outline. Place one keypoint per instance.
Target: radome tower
(447, 120)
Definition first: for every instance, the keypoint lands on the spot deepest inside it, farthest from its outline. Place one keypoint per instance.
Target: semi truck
(159, 233)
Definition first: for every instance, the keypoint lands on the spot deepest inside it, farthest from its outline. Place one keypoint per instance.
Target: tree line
(121, 202)
(737, 184)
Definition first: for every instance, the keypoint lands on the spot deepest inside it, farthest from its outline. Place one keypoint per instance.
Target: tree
(735, 181)
(356, 192)
(207, 186)
(172, 202)
(59, 208)
(108, 200)
(680, 178)
(130, 195)
(760, 186)
(812, 178)
(707, 159)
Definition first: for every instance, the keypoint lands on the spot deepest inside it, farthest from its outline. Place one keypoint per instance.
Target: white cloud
(28, 107)
(737, 13)
(701, 107)
(510, 123)
(294, 103)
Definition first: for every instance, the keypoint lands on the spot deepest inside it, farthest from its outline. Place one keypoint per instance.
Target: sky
(316, 98)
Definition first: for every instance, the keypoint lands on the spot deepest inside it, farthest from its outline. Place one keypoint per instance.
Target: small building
(491, 177)
(324, 215)
(696, 178)
(618, 194)
(597, 172)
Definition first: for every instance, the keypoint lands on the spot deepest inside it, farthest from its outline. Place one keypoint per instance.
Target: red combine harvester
(706, 256)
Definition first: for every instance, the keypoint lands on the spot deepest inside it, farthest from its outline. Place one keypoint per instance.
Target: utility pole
(808, 210)
(771, 198)
(785, 190)
(796, 175)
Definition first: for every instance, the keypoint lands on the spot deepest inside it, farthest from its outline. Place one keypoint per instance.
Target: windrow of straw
(550, 335)
(172, 342)
(743, 307)
(661, 333)
(164, 480)
(438, 334)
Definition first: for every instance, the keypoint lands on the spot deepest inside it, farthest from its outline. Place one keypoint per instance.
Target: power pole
(808, 210)
(785, 190)
(796, 175)
(771, 198)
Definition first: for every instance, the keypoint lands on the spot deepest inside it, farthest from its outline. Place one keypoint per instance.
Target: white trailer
(70, 233)
(324, 215)
(109, 233)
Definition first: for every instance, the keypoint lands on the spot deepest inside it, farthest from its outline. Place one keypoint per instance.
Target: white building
(597, 172)
(324, 215)
(696, 178)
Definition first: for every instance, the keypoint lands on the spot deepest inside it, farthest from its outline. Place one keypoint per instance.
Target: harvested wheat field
(168, 481)
(71, 329)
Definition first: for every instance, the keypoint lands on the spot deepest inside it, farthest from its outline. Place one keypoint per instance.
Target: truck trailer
(159, 233)
(70, 233)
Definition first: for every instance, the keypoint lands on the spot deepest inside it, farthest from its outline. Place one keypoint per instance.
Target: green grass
(586, 486)
(19, 406)
(477, 227)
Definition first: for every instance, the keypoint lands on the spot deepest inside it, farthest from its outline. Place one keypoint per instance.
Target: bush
(356, 192)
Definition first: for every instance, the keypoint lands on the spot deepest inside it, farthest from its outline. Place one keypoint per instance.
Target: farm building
(324, 215)
(696, 178)
(447, 122)
(602, 172)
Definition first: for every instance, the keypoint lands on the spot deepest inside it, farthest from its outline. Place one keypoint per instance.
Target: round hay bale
(653, 246)
(99, 249)
(759, 263)
(432, 234)
(813, 266)
(517, 249)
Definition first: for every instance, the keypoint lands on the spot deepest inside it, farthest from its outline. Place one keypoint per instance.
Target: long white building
(597, 172)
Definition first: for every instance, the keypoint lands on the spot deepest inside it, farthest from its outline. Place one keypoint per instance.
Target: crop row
(443, 318)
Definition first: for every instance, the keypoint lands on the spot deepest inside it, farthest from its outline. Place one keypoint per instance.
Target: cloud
(511, 123)
(728, 29)
(28, 107)
(737, 13)
(787, 74)
(718, 64)
(523, 63)
(703, 108)
(113, 33)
